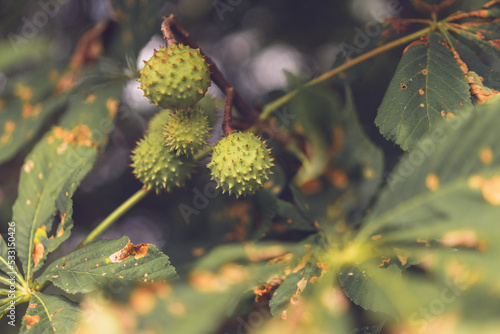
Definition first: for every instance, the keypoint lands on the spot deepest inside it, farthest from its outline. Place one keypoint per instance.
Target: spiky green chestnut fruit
(158, 122)
(186, 131)
(241, 163)
(175, 77)
(156, 167)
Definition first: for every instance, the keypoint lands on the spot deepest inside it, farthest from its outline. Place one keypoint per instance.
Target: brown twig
(169, 25)
(168, 35)
(226, 122)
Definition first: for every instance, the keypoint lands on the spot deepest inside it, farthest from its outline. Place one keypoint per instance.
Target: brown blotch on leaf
(143, 300)
(490, 189)
(31, 320)
(424, 72)
(403, 86)
(421, 92)
(432, 182)
(464, 238)
(140, 250)
(338, 178)
(422, 40)
(38, 251)
(486, 155)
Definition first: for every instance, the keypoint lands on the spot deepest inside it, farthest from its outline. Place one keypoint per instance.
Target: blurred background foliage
(252, 42)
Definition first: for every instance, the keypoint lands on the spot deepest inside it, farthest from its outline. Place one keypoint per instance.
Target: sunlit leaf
(104, 262)
(52, 171)
(428, 86)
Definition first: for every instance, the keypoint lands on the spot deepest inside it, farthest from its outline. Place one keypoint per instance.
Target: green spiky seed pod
(187, 131)
(241, 163)
(158, 122)
(175, 77)
(156, 167)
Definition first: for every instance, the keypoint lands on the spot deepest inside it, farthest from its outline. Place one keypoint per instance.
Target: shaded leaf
(352, 175)
(315, 108)
(450, 200)
(98, 264)
(428, 85)
(53, 170)
(50, 314)
(26, 103)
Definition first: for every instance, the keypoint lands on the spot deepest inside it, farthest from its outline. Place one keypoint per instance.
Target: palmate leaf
(25, 105)
(53, 170)
(50, 314)
(445, 206)
(104, 262)
(218, 280)
(428, 85)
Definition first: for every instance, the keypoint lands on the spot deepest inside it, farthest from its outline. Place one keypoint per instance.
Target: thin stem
(269, 108)
(106, 223)
(203, 154)
(166, 29)
(226, 122)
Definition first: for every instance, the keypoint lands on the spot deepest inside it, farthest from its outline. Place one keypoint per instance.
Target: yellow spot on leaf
(31, 320)
(424, 71)
(486, 155)
(491, 190)
(368, 173)
(90, 98)
(338, 178)
(177, 308)
(9, 129)
(25, 93)
(443, 113)
(421, 91)
(32, 111)
(79, 135)
(143, 300)
(422, 105)
(31, 305)
(40, 176)
(432, 182)
(112, 106)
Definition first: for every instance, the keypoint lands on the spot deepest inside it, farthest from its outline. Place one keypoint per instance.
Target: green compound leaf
(103, 262)
(25, 105)
(445, 195)
(428, 86)
(50, 314)
(53, 170)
